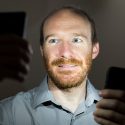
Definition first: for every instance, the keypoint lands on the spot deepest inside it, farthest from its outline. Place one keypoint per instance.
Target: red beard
(73, 80)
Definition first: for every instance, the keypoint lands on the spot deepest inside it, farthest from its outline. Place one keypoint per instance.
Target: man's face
(67, 49)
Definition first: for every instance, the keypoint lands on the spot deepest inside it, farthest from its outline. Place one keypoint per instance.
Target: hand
(111, 109)
(15, 54)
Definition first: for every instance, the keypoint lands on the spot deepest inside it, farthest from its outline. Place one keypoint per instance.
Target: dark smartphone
(115, 78)
(12, 23)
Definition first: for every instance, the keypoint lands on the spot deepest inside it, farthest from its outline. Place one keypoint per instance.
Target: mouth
(67, 66)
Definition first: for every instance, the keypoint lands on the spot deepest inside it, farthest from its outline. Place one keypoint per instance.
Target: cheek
(52, 53)
(86, 56)
(49, 55)
(82, 52)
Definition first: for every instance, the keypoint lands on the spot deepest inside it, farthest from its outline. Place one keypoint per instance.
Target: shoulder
(19, 100)
(15, 107)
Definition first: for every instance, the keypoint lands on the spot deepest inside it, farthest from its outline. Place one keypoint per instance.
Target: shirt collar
(92, 94)
(42, 94)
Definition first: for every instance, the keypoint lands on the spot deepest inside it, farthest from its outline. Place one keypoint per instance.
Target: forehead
(66, 18)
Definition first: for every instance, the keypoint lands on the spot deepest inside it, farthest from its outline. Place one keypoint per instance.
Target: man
(66, 96)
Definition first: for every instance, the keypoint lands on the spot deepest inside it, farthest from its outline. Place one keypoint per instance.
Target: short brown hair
(77, 11)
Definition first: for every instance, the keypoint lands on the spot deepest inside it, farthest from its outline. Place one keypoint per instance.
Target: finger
(113, 104)
(12, 75)
(17, 66)
(16, 52)
(102, 121)
(24, 69)
(14, 40)
(116, 94)
(15, 55)
(110, 115)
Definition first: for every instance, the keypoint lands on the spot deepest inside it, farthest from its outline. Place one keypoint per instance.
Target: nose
(65, 50)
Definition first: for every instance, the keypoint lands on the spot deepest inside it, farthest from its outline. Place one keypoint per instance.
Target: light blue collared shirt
(38, 107)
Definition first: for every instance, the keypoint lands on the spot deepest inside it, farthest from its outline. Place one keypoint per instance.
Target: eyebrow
(80, 34)
(51, 35)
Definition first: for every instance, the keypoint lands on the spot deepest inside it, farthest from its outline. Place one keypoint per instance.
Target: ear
(41, 49)
(95, 50)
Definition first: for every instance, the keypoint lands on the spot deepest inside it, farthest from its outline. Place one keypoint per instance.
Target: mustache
(66, 61)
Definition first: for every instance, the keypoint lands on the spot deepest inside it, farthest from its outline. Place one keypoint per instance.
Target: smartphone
(12, 23)
(115, 78)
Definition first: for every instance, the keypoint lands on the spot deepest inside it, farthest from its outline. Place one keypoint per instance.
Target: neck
(70, 98)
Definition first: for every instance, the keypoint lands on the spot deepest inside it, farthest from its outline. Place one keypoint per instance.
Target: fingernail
(100, 93)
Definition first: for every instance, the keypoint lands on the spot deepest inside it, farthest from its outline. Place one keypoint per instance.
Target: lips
(67, 66)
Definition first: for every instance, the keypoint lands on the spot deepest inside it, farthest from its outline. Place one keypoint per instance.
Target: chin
(63, 82)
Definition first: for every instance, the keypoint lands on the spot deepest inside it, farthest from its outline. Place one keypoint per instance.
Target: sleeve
(5, 115)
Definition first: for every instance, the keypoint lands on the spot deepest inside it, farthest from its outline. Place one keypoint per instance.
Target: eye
(77, 40)
(53, 40)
